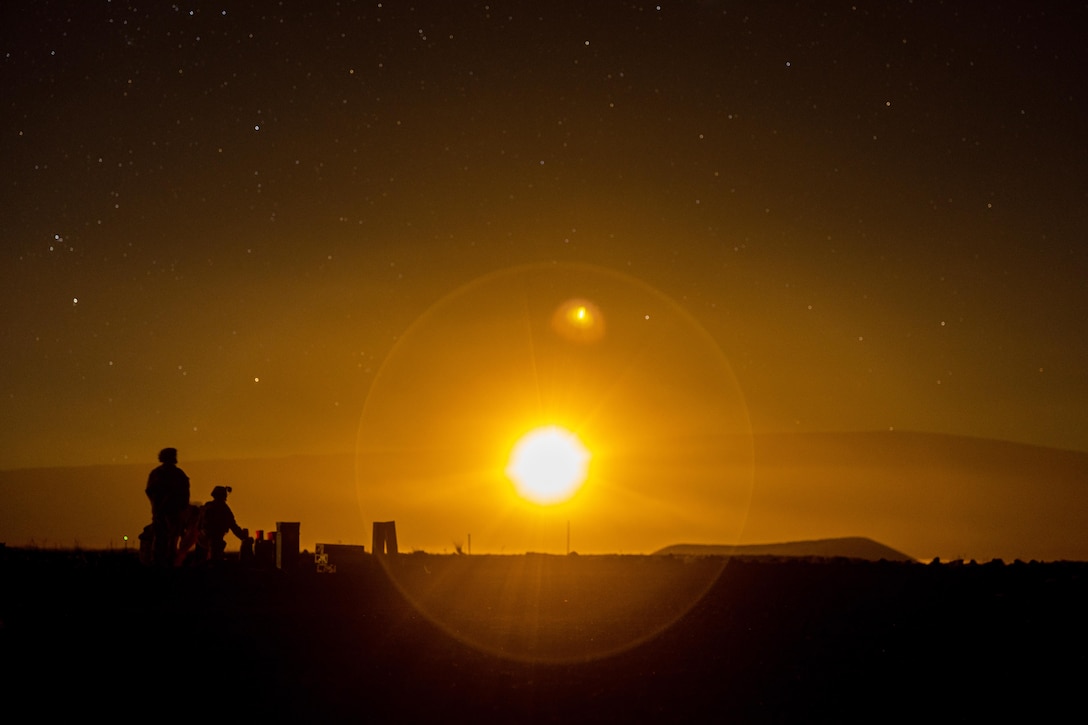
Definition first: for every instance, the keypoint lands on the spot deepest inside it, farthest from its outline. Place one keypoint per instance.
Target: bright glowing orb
(648, 392)
(548, 465)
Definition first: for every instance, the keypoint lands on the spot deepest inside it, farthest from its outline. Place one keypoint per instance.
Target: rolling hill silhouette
(927, 494)
(850, 547)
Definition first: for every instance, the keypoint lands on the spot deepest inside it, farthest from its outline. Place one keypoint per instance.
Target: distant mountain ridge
(95, 507)
(927, 494)
(849, 547)
(955, 497)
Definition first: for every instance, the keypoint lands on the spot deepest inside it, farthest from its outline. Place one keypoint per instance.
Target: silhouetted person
(189, 532)
(216, 520)
(168, 491)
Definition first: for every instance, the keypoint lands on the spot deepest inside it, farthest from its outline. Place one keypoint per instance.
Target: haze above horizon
(220, 225)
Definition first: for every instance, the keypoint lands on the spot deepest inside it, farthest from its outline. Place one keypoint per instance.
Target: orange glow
(653, 398)
(548, 465)
(525, 349)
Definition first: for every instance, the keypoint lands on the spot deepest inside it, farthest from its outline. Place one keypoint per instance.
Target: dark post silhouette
(287, 542)
(385, 537)
(168, 491)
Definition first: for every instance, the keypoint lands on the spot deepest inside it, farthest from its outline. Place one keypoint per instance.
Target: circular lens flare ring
(548, 465)
(655, 399)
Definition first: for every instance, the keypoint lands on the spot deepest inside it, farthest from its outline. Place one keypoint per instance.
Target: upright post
(384, 539)
(287, 536)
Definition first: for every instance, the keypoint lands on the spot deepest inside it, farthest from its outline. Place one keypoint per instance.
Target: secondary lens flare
(579, 320)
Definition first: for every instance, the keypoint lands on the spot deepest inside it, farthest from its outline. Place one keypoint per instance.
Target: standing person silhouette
(168, 491)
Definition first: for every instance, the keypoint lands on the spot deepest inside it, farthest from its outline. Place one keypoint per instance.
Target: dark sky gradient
(219, 217)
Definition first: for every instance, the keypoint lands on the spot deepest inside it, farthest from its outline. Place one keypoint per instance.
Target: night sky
(219, 218)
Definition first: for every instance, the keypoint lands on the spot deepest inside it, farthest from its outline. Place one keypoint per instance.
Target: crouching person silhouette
(216, 520)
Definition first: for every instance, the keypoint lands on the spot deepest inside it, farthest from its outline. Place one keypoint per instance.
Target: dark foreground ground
(95, 635)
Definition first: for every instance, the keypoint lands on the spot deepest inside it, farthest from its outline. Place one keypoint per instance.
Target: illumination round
(548, 465)
(467, 436)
